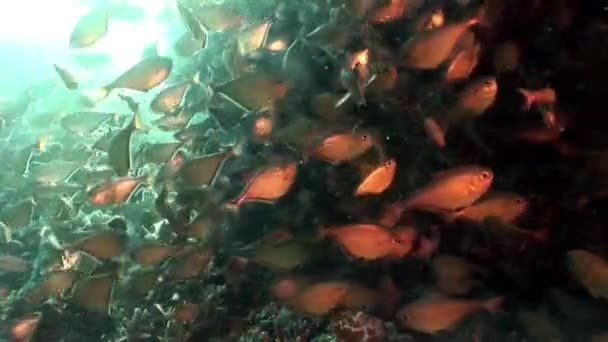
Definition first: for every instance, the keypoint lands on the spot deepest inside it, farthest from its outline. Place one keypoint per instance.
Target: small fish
(428, 49)
(23, 329)
(203, 171)
(152, 254)
(115, 191)
(319, 298)
(119, 153)
(53, 284)
(95, 292)
(68, 79)
(463, 64)
(105, 244)
(253, 38)
(472, 102)
(190, 264)
(12, 263)
(241, 90)
(392, 10)
(269, 184)
(368, 241)
(90, 28)
(20, 214)
(217, 18)
(454, 275)
(433, 314)
(84, 123)
(377, 181)
(170, 99)
(541, 96)
(451, 190)
(285, 255)
(590, 270)
(194, 26)
(506, 206)
(342, 147)
(143, 76)
(187, 46)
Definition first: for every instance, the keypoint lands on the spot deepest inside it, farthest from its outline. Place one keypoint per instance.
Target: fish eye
(485, 175)
(396, 240)
(364, 137)
(389, 163)
(488, 83)
(405, 317)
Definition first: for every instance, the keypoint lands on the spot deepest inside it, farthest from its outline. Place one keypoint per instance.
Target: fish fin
(435, 130)
(529, 97)
(493, 304)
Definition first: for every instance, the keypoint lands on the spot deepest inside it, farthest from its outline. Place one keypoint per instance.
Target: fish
(253, 38)
(68, 79)
(94, 293)
(119, 153)
(506, 206)
(20, 214)
(152, 254)
(433, 314)
(203, 171)
(11, 263)
(24, 328)
(285, 255)
(104, 244)
(341, 147)
(90, 28)
(319, 298)
(368, 241)
(269, 185)
(472, 102)
(84, 123)
(463, 64)
(591, 270)
(56, 171)
(428, 49)
(451, 189)
(267, 90)
(194, 26)
(170, 99)
(455, 276)
(187, 45)
(540, 96)
(378, 180)
(143, 76)
(114, 191)
(190, 264)
(391, 10)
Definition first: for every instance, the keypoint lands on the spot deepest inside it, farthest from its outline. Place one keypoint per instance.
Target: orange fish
(270, 184)
(377, 181)
(508, 207)
(368, 241)
(25, 327)
(342, 147)
(430, 48)
(319, 298)
(436, 313)
(114, 191)
(105, 244)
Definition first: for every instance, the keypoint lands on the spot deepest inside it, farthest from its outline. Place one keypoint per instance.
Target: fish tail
(435, 130)
(529, 96)
(493, 304)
